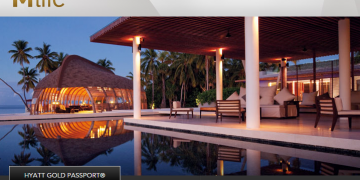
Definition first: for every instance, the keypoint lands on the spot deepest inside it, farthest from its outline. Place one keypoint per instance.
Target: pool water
(109, 143)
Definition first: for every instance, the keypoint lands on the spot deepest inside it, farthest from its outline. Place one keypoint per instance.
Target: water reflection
(77, 143)
(80, 143)
(199, 158)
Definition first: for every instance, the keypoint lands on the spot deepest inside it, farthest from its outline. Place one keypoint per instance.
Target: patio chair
(228, 107)
(333, 107)
(176, 107)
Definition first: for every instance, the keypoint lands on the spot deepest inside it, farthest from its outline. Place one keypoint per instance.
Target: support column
(136, 78)
(137, 153)
(252, 72)
(314, 70)
(220, 167)
(219, 75)
(344, 62)
(253, 163)
(283, 74)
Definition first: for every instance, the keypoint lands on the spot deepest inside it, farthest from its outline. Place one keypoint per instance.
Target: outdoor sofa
(281, 105)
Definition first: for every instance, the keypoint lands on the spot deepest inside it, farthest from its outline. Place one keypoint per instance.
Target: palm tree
(30, 79)
(29, 138)
(22, 159)
(21, 56)
(163, 71)
(47, 157)
(150, 150)
(106, 63)
(185, 72)
(47, 59)
(149, 64)
(60, 58)
(234, 70)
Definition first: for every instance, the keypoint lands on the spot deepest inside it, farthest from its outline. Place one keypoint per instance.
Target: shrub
(210, 95)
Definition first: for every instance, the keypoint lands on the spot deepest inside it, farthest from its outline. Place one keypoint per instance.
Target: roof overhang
(279, 36)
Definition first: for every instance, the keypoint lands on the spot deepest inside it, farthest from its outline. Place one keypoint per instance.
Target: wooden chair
(227, 107)
(176, 107)
(333, 107)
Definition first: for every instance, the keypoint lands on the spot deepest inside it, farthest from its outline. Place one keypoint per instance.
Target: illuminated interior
(83, 100)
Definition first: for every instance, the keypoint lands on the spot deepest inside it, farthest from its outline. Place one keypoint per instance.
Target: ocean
(11, 109)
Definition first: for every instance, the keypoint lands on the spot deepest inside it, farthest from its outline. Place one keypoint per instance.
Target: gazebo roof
(279, 36)
(77, 71)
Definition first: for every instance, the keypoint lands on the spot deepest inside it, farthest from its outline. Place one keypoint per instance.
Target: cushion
(309, 98)
(176, 104)
(241, 94)
(233, 96)
(284, 95)
(244, 97)
(267, 95)
(338, 103)
(349, 112)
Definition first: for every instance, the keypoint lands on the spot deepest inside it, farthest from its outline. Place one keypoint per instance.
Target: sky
(70, 35)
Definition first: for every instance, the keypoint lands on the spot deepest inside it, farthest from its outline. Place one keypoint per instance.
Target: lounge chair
(333, 107)
(176, 107)
(228, 107)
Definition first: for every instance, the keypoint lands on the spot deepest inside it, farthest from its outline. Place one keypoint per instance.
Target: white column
(137, 153)
(219, 75)
(252, 72)
(220, 167)
(344, 62)
(136, 78)
(253, 163)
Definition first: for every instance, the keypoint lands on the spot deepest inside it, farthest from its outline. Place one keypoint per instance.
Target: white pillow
(242, 93)
(267, 95)
(233, 96)
(284, 95)
(309, 98)
(176, 104)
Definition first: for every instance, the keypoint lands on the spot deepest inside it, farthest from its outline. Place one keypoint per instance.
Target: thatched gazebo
(80, 85)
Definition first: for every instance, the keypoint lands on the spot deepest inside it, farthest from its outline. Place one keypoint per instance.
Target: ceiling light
(228, 34)
(304, 49)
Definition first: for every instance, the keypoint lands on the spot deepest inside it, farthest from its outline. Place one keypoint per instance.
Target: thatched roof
(77, 71)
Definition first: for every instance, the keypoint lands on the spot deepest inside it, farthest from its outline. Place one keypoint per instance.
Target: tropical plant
(22, 159)
(27, 107)
(233, 70)
(60, 58)
(48, 158)
(185, 72)
(149, 66)
(163, 57)
(29, 138)
(21, 55)
(106, 63)
(210, 95)
(30, 80)
(47, 58)
(150, 150)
